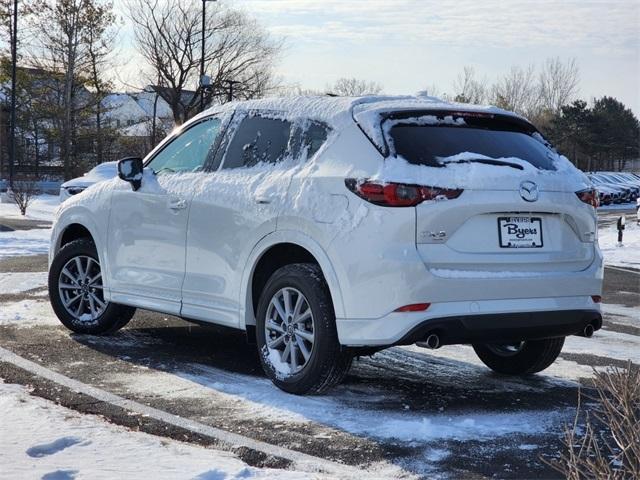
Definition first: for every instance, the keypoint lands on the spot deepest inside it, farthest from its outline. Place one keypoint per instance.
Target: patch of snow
(627, 255)
(28, 313)
(42, 207)
(630, 313)
(274, 357)
(48, 440)
(18, 282)
(371, 422)
(19, 243)
(607, 344)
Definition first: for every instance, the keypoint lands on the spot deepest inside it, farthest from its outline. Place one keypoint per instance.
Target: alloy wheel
(289, 330)
(81, 290)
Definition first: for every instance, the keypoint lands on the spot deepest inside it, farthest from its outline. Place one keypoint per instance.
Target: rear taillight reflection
(398, 194)
(589, 196)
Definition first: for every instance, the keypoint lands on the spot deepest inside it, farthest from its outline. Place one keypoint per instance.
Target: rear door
(518, 210)
(237, 204)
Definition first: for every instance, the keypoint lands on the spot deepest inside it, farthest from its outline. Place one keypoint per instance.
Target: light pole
(204, 16)
(14, 46)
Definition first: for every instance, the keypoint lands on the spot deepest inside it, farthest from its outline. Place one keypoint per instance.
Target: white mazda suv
(332, 227)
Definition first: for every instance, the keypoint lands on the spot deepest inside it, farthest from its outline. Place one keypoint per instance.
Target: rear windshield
(434, 141)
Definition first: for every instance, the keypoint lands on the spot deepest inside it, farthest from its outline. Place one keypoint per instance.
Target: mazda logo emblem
(529, 191)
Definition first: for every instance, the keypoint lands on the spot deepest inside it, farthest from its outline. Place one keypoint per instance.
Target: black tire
(532, 356)
(112, 318)
(328, 362)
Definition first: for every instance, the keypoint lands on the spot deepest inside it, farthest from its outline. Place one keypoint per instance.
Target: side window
(313, 138)
(258, 139)
(308, 138)
(187, 152)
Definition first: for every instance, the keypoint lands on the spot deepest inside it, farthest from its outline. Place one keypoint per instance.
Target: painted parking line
(301, 461)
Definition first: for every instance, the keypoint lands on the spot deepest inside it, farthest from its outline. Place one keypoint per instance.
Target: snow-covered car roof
(367, 111)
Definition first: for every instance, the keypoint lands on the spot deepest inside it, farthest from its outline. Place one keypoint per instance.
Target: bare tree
(354, 87)
(99, 37)
(168, 36)
(468, 88)
(517, 91)
(22, 192)
(71, 44)
(558, 83)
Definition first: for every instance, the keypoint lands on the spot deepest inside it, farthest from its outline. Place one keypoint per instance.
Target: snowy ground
(41, 207)
(625, 255)
(18, 243)
(69, 445)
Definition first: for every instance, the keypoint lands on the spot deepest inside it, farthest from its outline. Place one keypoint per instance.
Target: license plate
(520, 232)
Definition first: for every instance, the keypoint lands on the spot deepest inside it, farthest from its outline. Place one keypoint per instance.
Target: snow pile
(50, 441)
(19, 243)
(19, 282)
(41, 207)
(627, 255)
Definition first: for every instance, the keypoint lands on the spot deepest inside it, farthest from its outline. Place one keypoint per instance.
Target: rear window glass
(257, 140)
(433, 143)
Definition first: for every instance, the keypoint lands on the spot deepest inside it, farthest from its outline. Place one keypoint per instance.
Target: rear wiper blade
(487, 161)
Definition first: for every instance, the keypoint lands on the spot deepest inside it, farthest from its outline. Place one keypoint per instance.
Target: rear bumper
(481, 321)
(504, 327)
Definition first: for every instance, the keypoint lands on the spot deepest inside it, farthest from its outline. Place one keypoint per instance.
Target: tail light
(596, 298)
(589, 196)
(398, 194)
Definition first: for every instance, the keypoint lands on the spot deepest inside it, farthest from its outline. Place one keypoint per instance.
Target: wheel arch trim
(301, 240)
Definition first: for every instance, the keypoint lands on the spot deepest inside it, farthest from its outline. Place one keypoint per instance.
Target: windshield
(435, 141)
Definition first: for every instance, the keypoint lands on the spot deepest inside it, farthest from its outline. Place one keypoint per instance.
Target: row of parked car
(616, 187)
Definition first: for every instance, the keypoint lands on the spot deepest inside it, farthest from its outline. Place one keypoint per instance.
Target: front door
(148, 227)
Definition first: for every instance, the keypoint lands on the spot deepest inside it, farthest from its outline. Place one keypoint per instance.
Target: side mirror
(130, 170)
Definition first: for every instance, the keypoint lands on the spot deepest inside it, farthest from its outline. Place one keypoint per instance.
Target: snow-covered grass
(21, 243)
(627, 255)
(50, 441)
(41, 207)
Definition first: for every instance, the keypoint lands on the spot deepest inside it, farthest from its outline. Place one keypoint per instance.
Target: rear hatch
(517, 211)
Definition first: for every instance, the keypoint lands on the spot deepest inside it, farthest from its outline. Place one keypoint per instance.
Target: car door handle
(177, 204)
(262, 199)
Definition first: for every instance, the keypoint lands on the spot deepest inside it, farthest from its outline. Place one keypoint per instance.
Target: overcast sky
(412, 45)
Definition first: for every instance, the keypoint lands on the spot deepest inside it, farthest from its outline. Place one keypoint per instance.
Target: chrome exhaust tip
(432, 342)
(588, 331)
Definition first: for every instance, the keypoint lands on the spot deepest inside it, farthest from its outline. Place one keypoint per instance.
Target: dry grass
(607, 446)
